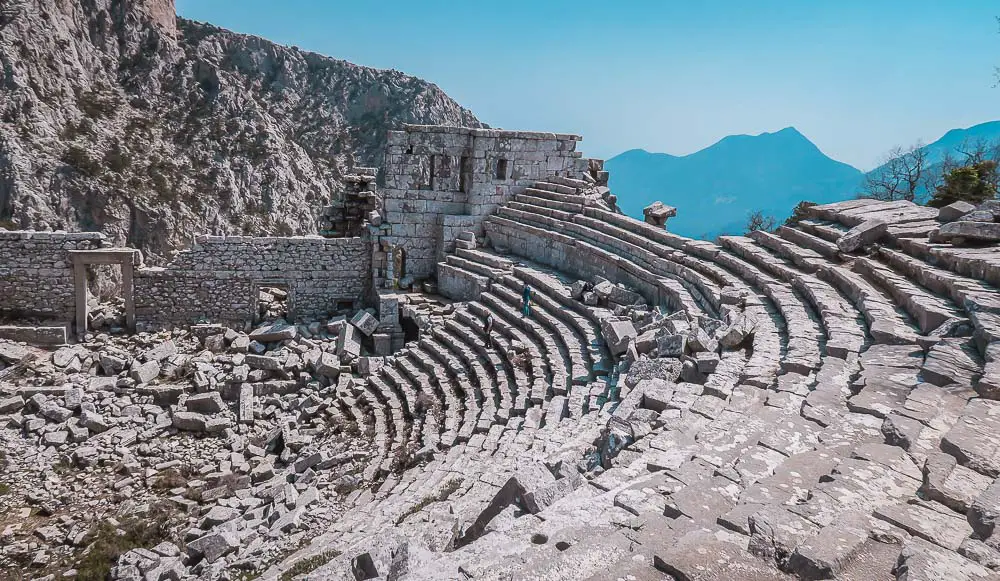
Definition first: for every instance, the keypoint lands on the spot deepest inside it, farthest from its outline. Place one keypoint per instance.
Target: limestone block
(864, 234)
(213, 546)
(349, 343)
(658, 213)
(205, 403)
(365, 322)
(978, 231)
(954, 211)
(245, 410)
(146, 372)
(668, 345)
(271, 333)
(189, 421)
(617, 334)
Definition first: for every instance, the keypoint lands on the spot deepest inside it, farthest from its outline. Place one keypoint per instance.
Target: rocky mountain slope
(116, 115)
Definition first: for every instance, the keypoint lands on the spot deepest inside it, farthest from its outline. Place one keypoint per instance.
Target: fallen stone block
(274, 332)
(658, 213)
(205, 403)
(985, 511)
(974, 231)
(365, 322)
(670, 345)
(617, 334)
(349, 343)
(213, 546)
(112, 364)
(264, 362)
(146, 372)
(55, 413)
(160, 352)
(11, 404)
(864, 234)
(954, 211)
(328, 365)
(93, 421)
(707, 362)
(245, 412)
(189, 421)
(698, 340)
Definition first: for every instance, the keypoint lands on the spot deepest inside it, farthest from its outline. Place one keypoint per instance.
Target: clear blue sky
(855, 76)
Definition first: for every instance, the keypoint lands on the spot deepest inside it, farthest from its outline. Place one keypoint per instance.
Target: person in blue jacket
(526, 301)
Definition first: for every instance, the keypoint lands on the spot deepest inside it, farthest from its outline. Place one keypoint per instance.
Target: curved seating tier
(849, 438)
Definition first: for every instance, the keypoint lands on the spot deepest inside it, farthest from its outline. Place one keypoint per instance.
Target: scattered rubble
(238, 439)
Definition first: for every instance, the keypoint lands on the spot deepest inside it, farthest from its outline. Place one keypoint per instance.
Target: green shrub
(973, 183)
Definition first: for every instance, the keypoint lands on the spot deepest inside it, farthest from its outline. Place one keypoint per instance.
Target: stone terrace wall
(36, 272)
(218, 279)
(432, 172)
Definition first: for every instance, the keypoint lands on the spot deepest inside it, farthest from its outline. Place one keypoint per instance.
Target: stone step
(979, 263)
(525, 378)
(803, 258)
(552, 186)
(507, 302)
(823, 230)
(679, 294)
(500, 395)
(471, 266)
(461, 382)
(487, 259)
(802, 332)
(928, 310)
(526, 200)
(419, 365)
(804, 239)
(569, 182)
(432, 403)
(565, 322)
(484, 389)
(845, 333)
(886, 323)
(398, 427)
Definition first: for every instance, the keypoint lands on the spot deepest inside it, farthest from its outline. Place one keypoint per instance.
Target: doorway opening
(104, 288)
(273, 302)
(105, 301)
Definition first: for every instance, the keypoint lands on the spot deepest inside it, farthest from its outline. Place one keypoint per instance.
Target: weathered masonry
(36, 273)
(440, 181)
(218, 280)
(43, 277)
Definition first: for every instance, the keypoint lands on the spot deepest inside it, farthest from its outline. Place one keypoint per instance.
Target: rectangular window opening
(502, 169)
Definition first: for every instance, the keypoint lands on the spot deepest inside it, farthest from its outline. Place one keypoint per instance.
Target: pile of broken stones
(107, 316)
(634, 331)
(237, 437)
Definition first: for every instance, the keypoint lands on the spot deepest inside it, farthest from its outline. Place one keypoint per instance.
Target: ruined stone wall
(434, 173)
(36, 272)
(217, 280)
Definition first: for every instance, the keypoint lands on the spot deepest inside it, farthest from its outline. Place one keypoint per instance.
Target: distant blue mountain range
(716, 189)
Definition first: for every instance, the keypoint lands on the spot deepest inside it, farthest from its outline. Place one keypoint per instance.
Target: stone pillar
(128, 291)
(80, 286)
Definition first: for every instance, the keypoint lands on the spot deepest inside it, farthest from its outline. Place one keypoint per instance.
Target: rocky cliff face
(117, 116)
